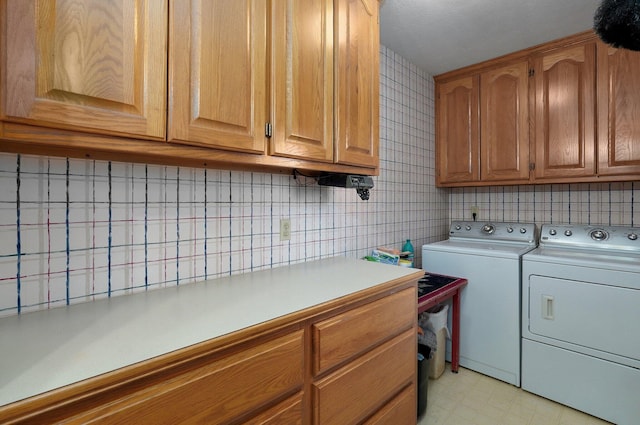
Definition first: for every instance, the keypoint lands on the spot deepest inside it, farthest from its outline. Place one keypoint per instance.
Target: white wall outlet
(285, 229)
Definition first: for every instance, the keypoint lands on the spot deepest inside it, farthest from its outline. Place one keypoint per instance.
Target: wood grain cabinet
(219, 77)
(364, 358)
(217, 74)
(504, 123)
(458, 131)
(562, 112)
(482, 127)
(245, 84)
(302, 78)
(564, 85)
(94, 65)
(357, 79)
(618, 111)
(202, 385)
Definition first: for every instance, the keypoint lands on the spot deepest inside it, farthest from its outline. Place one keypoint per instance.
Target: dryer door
(588, 315)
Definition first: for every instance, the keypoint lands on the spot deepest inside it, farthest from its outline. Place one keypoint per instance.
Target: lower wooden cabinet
(400, 410)
(346, 335)
(207, 389)
(268, 374)
(367, 384)
(289, 412)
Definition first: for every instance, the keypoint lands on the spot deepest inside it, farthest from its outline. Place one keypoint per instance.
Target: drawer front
(348, 334)
(401, 410)
(289, 412)
(360, 388)
(215, 392)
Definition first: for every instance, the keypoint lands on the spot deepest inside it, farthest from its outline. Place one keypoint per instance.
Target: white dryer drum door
(597, 316)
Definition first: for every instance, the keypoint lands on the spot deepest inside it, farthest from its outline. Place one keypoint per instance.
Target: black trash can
(424, 353)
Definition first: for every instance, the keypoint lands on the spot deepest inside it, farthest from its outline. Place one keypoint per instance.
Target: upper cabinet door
(90, 65)
(457, 131)
(504, 129)
(565, 112)
(217, 73)
(618, 111)
(357, 82)
(302, 79)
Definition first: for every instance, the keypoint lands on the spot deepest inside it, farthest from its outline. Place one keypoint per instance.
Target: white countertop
(49, 349)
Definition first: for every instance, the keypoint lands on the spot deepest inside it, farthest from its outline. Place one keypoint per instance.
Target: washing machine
(489, 256)
(580, 319)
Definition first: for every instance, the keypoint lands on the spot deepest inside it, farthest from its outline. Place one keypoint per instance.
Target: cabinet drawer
(400, 410)
(214, 392)
(289, 412)
(349, 334)
(363, 386)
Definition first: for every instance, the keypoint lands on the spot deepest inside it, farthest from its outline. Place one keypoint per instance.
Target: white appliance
(489, 256)
(581, 318)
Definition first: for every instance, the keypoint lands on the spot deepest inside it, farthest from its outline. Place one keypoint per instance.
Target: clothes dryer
(580, 316)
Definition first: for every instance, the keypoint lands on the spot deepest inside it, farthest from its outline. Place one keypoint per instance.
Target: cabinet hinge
(268, 129)
(532, 166)
(532, 72)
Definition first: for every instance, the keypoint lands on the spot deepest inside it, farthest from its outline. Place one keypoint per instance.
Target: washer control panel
(590, 236)
(483, 230)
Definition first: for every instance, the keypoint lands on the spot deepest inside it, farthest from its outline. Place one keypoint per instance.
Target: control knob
(632, 236)
(509, 229)
(467, 227)
(488, 228)
(458, 227)
(568, 233)
(598, 235)
(553, 232)
(523, 230)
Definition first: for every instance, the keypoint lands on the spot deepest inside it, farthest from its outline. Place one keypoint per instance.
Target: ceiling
(443, 35)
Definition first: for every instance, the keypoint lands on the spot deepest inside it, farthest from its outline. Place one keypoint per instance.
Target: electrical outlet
(285, 229)
(474, 212)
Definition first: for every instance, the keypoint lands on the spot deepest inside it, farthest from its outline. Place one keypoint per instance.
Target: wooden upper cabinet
(457, 132)
(565, 112)
(302, 79)
(574, 118)
(618, 111)
(96, 66)
(504, 128)
(243, 84)
(217, 74)
(357, 82)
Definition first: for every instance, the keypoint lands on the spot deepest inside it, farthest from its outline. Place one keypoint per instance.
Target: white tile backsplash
(608, 204)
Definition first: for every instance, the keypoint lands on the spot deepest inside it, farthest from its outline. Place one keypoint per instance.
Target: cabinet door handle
(547, 307)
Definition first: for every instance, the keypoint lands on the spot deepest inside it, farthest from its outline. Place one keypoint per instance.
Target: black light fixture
(617, 22)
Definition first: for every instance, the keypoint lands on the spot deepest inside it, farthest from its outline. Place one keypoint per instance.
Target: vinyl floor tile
(470, 398)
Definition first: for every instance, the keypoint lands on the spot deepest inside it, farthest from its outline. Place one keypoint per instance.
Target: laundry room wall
(74, 230)
(594, 203)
